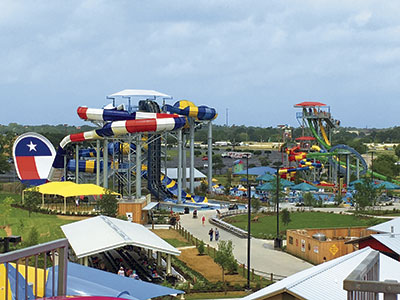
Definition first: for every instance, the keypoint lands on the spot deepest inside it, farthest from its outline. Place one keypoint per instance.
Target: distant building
(323, 244)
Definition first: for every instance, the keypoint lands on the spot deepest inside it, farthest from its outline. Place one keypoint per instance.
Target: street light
(248, 221)
(277, 239)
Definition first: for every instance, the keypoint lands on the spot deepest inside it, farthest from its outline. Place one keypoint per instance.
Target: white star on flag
(31, 146)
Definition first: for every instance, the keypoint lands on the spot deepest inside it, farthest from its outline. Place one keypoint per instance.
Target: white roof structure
(325, 281)
(389, 240)
(140, 93)
(101, 233)
(386, 227)
(173, 173)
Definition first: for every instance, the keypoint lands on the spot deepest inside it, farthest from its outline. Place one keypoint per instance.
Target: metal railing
(363, 282)
(58, 250)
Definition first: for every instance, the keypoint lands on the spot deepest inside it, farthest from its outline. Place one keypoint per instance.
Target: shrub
(201, 248)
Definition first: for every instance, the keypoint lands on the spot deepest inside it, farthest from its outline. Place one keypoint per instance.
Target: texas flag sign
(33, 157)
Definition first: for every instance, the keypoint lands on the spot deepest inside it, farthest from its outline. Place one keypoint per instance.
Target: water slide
(134, 123)
(325, 137)
(331, 149)
(172, 187)
(189, 109)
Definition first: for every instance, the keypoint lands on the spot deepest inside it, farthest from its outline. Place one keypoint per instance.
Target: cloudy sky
(256, 58)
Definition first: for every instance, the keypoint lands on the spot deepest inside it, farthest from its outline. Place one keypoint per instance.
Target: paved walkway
(263, 256)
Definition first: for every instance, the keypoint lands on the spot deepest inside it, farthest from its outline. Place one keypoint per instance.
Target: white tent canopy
(98, 234)
(140, 93)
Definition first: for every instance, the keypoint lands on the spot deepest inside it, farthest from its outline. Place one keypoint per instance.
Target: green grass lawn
(265, 227)
(177, 243)
(48, 226)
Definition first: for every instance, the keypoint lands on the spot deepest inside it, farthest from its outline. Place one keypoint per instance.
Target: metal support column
(315, 171)
(184, 158)
(180, 166)
(358, 168)
(191, 155)
(159, 264)
(347, 170)
(65, 167)
(138, 166)
(105, 164)
(210, 165)
(98, 162)
(129, 174)
(169, 270)
(166, 156)
(77, 163)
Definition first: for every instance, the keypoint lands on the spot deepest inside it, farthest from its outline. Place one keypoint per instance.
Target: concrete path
(263, 256)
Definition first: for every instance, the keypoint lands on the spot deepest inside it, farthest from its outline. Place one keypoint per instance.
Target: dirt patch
(169, 234)
(8, 230)
(205, 265)
(71, 217)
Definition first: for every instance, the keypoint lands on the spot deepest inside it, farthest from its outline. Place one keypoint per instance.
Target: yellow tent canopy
(70, 189)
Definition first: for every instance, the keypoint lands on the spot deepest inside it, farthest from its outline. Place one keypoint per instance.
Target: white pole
(105, 164)
(77, 163)
(191, 155)
(209, 157)
(138, 166)
(98, 162)
(179, 165)
(184, 162)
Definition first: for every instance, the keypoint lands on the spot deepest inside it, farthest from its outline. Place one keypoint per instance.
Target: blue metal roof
(258, 171)
(86, 281)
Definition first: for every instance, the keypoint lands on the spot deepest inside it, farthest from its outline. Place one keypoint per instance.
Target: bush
(257, 152)
(201, 248)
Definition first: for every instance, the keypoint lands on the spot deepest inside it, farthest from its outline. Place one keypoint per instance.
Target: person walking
(203, 219)
(216, 234)
(211, 233)
(121, 271)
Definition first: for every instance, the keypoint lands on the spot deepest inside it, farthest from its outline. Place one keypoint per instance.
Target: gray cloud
(256, 58)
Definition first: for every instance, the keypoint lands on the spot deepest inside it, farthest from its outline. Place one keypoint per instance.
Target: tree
(273, 192)
(264, 161)
(397, 151)
(224, 257)
(108, 204)
(255, 204)
(201, 248)
(217, 161)
(386, 164)
(5, 209)
(285, 216)
(4, 165)
(338, 198)
(366, 194)
(32, 199)
(33, 237)
(308, 199)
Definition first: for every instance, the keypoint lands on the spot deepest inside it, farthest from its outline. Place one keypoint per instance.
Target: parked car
(204, 158)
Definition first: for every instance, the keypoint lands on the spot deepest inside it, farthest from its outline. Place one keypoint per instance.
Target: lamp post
(248, 221)
(277, 239)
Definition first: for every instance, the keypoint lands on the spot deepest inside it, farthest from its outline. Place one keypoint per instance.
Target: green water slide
(315, 134)
(323, 143)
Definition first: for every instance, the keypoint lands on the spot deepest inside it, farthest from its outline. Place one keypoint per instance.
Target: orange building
(136, 210)
(320, 245)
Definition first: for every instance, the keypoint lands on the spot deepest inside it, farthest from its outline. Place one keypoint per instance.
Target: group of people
(212, 232)
(130, 273)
